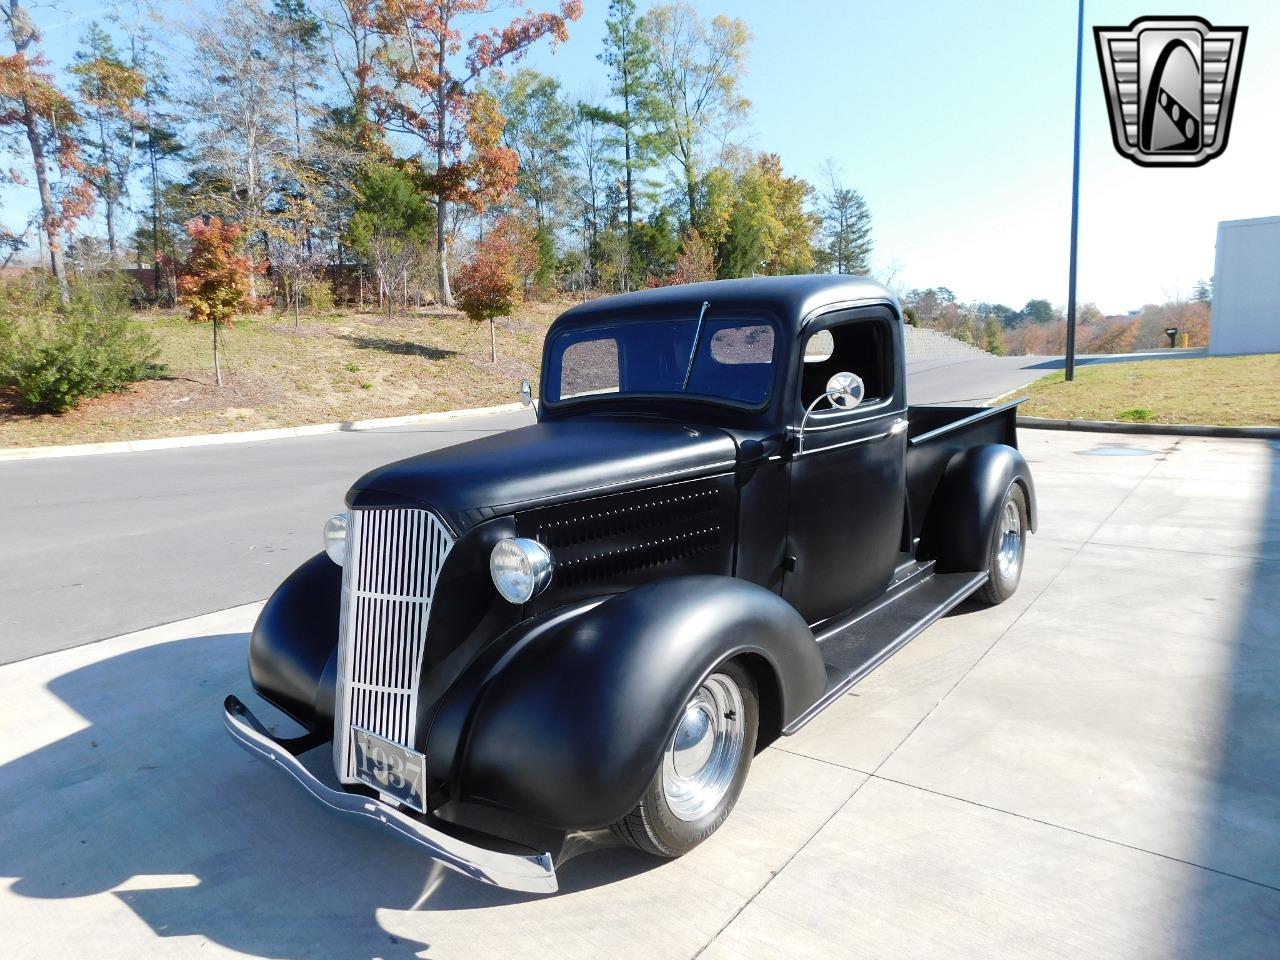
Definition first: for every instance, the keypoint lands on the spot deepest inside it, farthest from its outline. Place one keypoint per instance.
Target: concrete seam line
(1076, 831)
(786, 863)
(982, 656)
(1157, 429)
(245, 436)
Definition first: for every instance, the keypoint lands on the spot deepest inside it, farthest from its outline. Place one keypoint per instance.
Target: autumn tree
(846, 225)
(35, 110)
(698, 68)
(491, 281)
(110, 93)
(697, 260)
(434, 91)
(770, 230)
(214, 282)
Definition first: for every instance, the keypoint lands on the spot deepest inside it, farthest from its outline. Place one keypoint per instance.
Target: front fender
(566, 726)
(293, 648)
(965, 509)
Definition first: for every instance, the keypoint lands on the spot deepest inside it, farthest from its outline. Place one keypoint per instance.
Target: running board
(867, 638)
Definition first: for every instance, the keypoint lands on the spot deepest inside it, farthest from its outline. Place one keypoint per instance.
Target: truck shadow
(153, 802)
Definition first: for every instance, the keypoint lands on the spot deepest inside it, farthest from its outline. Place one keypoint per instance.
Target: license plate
(391, 769)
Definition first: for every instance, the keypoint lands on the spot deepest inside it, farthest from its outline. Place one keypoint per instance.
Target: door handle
(899, 425)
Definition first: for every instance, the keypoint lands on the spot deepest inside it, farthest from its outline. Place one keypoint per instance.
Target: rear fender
(565, 722)
(958, 529)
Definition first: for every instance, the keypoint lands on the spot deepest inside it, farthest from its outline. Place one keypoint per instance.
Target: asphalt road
(93, 547)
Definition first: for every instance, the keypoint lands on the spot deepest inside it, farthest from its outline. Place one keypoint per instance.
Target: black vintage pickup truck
(725, 517)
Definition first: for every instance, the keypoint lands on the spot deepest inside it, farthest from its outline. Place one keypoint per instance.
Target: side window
(864, 347)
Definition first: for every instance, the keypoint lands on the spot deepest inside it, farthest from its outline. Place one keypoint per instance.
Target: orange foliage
(214, 280)
(491, 281)
(697, 261)
(30, 99)
(458, 124)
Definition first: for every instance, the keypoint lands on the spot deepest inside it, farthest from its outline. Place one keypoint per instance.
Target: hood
(543, 463)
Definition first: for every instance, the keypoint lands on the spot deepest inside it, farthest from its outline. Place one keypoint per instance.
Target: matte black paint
(544, 463)
(294, 641)
(604, 545)
(576, 753)
(965, 510)
(847, 493)
(554, 713)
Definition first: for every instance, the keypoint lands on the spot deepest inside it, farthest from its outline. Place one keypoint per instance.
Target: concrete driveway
(1090, 770)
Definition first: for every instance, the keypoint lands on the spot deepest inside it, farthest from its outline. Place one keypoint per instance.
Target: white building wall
(1246, 288)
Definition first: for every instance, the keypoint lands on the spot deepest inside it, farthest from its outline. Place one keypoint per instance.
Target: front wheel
(1008, 544)
(704, 766)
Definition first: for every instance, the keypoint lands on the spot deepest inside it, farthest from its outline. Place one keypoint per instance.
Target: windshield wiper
(697, 338)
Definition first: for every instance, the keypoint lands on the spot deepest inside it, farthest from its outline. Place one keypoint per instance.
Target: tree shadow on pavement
(153, 801)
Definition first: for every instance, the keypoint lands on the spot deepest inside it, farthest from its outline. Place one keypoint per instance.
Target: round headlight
(335, 538)
(521, 568)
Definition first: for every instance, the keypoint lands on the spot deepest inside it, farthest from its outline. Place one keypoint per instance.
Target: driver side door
(847, 470)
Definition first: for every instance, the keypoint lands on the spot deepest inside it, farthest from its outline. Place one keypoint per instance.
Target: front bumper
(530, 873)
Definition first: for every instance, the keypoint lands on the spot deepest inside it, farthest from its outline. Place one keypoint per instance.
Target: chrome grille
(394, 558)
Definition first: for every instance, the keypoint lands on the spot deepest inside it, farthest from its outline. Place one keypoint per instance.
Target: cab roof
(792, 299)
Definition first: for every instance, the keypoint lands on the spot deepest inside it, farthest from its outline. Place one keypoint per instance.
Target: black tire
(653, 826)
(1003, 577)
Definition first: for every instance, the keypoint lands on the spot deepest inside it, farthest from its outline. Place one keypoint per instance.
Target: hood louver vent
(618, 537)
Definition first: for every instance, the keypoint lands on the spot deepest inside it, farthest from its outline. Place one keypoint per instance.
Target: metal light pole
(1075, 209)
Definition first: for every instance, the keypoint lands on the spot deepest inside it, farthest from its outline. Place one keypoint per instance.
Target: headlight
(521, 568)
(335, 538)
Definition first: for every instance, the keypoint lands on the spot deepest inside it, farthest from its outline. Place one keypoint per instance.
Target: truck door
(847, 483)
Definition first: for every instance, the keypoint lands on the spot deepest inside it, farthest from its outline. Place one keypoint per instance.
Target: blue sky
(954, 120)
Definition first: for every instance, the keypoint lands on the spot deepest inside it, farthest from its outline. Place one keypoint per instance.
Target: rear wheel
(1008, 543)
(704, 766)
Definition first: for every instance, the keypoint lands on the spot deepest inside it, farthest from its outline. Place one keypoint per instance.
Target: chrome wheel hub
(699, 763)
(1009, 551)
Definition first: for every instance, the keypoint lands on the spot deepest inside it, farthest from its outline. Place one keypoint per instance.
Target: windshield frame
(622, 399)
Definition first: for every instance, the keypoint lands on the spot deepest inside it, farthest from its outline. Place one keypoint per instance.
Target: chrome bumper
(531, 873)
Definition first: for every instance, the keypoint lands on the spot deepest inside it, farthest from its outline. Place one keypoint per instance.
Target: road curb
(1165, 429)
(245, 436)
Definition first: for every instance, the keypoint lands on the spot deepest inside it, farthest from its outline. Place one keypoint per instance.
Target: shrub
(52, 363)
(317, 295)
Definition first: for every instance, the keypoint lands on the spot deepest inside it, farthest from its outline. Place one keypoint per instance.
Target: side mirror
(845, 390)
(526, 393)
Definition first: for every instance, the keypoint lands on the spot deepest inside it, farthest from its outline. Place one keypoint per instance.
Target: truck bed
(936, 434)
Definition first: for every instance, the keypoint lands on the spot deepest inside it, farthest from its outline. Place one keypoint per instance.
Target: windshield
(733, 361)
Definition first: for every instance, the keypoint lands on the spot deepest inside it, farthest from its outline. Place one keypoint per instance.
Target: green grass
(1227, 391)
